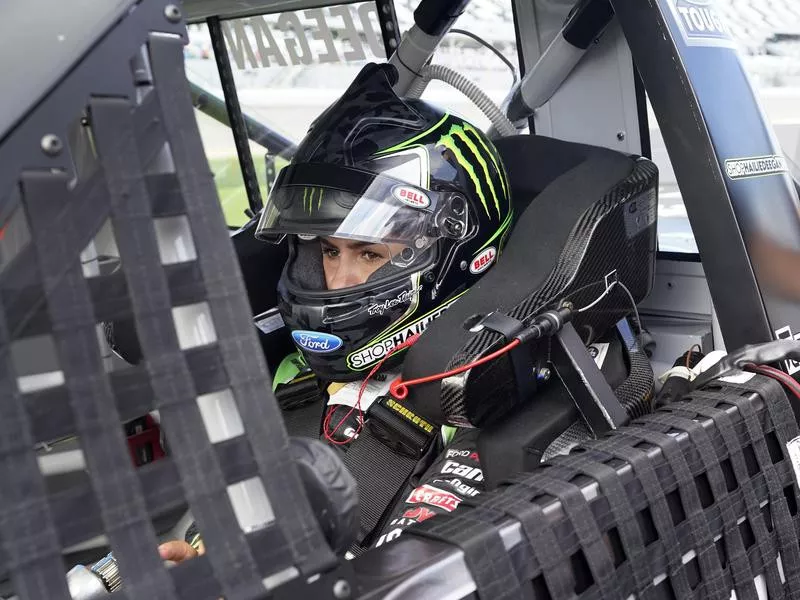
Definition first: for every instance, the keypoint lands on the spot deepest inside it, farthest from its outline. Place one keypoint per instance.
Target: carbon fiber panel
(636, 392)
(618, 233)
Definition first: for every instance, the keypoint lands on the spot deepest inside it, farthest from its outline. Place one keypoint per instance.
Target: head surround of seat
(583, 213)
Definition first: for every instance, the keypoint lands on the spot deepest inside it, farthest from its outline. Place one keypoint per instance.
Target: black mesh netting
(140, 184)
(694, 501)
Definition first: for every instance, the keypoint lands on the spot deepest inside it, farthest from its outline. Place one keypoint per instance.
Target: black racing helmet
(378, 169)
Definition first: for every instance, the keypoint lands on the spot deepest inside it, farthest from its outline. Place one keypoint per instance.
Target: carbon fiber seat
(586, 216)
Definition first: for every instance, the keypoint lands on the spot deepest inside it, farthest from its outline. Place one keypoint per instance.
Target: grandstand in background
(767, 31)
(288, 98)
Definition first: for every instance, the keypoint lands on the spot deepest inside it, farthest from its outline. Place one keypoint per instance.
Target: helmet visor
(352, 204)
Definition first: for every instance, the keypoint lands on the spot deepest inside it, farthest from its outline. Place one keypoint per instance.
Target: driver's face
(348, 263)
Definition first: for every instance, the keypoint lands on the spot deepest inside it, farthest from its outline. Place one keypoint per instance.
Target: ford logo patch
(314, 341)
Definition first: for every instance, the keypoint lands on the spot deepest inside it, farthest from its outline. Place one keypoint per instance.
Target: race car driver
(392, 209)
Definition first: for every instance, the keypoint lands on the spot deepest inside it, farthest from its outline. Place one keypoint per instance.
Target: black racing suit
(454, 475)
(441, 481)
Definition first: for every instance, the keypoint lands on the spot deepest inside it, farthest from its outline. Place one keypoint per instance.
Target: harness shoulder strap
(383, 458)
(301, 404)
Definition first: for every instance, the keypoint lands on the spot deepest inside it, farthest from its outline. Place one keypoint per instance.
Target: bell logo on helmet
(483, 260)
(314, 341)
(411, 196)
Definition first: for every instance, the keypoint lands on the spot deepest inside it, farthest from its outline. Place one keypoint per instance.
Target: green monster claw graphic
(308, 198)
(448, 141)
(500, 171)
(460, 132)
(474, 145)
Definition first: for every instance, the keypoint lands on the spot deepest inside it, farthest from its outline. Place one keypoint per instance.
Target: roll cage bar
(42, 164)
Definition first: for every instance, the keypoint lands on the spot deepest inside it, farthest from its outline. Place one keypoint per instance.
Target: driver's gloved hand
(331, 491)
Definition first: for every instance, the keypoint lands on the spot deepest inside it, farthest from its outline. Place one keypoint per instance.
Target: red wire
(774, 373)
(781, 376)
(329, 415)
(399, 388)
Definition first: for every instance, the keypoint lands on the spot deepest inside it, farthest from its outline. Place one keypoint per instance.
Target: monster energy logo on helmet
(310, 196)
(465, 143)
(470, 150)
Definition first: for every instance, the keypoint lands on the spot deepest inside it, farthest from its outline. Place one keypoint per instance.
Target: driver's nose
(344, 275)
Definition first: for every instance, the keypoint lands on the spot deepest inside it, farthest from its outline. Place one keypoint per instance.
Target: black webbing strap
(618, 447)
(381, 474)
(714, 581)
(576, 507)
(740, 568)
(31, 547)
(705, 404)
(784, 524)
(304, 421)
(230, 310)
(175, 395)
(475, 531)
(54, 222)
(44, 292)
(623, 513)
(781, 423)
(702, 542)
(740, 563)
(679, 488)
(549, 556)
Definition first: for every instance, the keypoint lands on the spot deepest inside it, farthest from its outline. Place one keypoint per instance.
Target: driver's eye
(370, 256)
(330, 252)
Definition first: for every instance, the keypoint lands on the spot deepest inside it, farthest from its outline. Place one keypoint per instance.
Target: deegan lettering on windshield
(258, 43)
